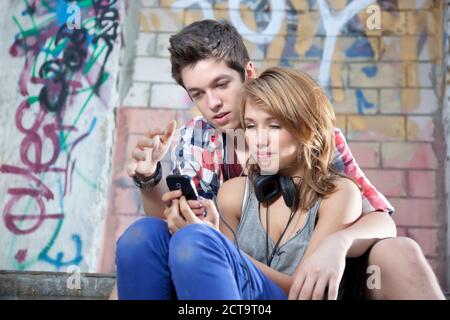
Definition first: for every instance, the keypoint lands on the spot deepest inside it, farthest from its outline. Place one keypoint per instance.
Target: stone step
(55, 285)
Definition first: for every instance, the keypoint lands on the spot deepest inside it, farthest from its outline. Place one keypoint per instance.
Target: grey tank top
(251, 235)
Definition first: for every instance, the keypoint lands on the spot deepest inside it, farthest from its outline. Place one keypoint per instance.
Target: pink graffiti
(31, 156)
(21, 255)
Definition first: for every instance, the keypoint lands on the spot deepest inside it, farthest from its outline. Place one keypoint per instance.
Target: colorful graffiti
(326, 36)
(64, 85)
(269, 16)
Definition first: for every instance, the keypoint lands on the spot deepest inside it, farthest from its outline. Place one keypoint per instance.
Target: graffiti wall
(380, 62)
(59, 61)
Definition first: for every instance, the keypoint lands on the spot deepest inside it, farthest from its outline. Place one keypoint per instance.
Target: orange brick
(408, 155)
(376, 128)
(408, 101)
(420, 128)
(385, 75)
(420, 21)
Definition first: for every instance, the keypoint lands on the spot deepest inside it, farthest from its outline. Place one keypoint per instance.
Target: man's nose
(214, 102)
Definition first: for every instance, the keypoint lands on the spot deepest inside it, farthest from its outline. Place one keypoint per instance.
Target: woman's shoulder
(232, 186)
(231, 194)
(344, 184)
(346, 194)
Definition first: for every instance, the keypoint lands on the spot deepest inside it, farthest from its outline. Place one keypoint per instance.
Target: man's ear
(250, 70)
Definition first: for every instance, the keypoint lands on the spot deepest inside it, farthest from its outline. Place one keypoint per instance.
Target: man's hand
(149, 150)
(321, 270)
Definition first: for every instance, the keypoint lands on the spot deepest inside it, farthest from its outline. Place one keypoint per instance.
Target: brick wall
(385, 83)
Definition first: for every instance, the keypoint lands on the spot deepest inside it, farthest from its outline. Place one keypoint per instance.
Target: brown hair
(300, 105)
(207, 39)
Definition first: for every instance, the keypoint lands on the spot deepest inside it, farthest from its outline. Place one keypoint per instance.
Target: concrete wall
(385, 82)
(57, 98)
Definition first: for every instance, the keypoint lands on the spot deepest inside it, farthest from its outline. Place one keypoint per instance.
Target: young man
(211, 62)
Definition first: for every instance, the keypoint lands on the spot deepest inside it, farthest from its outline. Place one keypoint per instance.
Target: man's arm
(150, 150)
(188, 154)
(375, 223)
(152, 202)
(344, 162)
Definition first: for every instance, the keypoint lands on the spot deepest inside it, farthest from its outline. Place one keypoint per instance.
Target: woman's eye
(249, 126)
(275, 126)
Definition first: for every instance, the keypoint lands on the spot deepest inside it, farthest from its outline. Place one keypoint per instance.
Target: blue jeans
(197, 262)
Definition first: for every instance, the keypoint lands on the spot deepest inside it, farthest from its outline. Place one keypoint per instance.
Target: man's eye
(196, 95)
(222, 85)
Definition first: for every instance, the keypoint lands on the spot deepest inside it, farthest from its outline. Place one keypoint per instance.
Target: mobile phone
(184, 183)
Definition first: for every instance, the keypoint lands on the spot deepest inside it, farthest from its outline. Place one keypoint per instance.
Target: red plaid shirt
(200, 154)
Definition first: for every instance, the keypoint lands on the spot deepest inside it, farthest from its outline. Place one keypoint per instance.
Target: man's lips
(220, 115)
(222, 119)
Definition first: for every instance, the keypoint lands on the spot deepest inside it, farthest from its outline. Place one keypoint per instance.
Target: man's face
(217, 91)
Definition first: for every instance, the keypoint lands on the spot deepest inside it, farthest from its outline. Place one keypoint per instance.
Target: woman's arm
(229, 204)
(365, 231)
(337, 212)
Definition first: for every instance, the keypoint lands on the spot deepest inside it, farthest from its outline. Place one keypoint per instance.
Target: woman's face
(272, 146)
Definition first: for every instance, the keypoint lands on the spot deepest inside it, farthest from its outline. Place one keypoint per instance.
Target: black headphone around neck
(269, 187)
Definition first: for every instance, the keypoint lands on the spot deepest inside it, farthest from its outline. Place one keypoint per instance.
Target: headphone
(269, 187)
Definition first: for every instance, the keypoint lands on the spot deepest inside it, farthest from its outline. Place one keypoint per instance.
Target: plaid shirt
(200, 153)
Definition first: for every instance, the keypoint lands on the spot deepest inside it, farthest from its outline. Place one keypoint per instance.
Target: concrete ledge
(54, 285)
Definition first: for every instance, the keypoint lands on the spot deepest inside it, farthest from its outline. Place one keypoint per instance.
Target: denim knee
(189, 245)
(140, 237)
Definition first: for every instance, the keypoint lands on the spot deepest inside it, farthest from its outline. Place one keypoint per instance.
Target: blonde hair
(301, 106)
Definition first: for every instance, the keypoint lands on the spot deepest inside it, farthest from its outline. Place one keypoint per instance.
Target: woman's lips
(263, 155)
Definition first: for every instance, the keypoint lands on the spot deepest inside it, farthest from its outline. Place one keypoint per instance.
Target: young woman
(270, 220)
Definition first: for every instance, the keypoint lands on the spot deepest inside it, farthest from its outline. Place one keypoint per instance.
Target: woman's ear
(250, 70)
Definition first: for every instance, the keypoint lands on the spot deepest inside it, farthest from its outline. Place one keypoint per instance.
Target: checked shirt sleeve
(372, 199)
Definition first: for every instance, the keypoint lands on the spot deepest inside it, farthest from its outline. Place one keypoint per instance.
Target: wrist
(151, 173)
(149, 181)
(342, 240)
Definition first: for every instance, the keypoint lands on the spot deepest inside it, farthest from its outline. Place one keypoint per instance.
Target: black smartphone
(183, 183)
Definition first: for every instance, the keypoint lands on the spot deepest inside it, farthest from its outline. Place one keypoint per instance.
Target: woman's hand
(321, 270)
(180, 212)
(205, 212)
